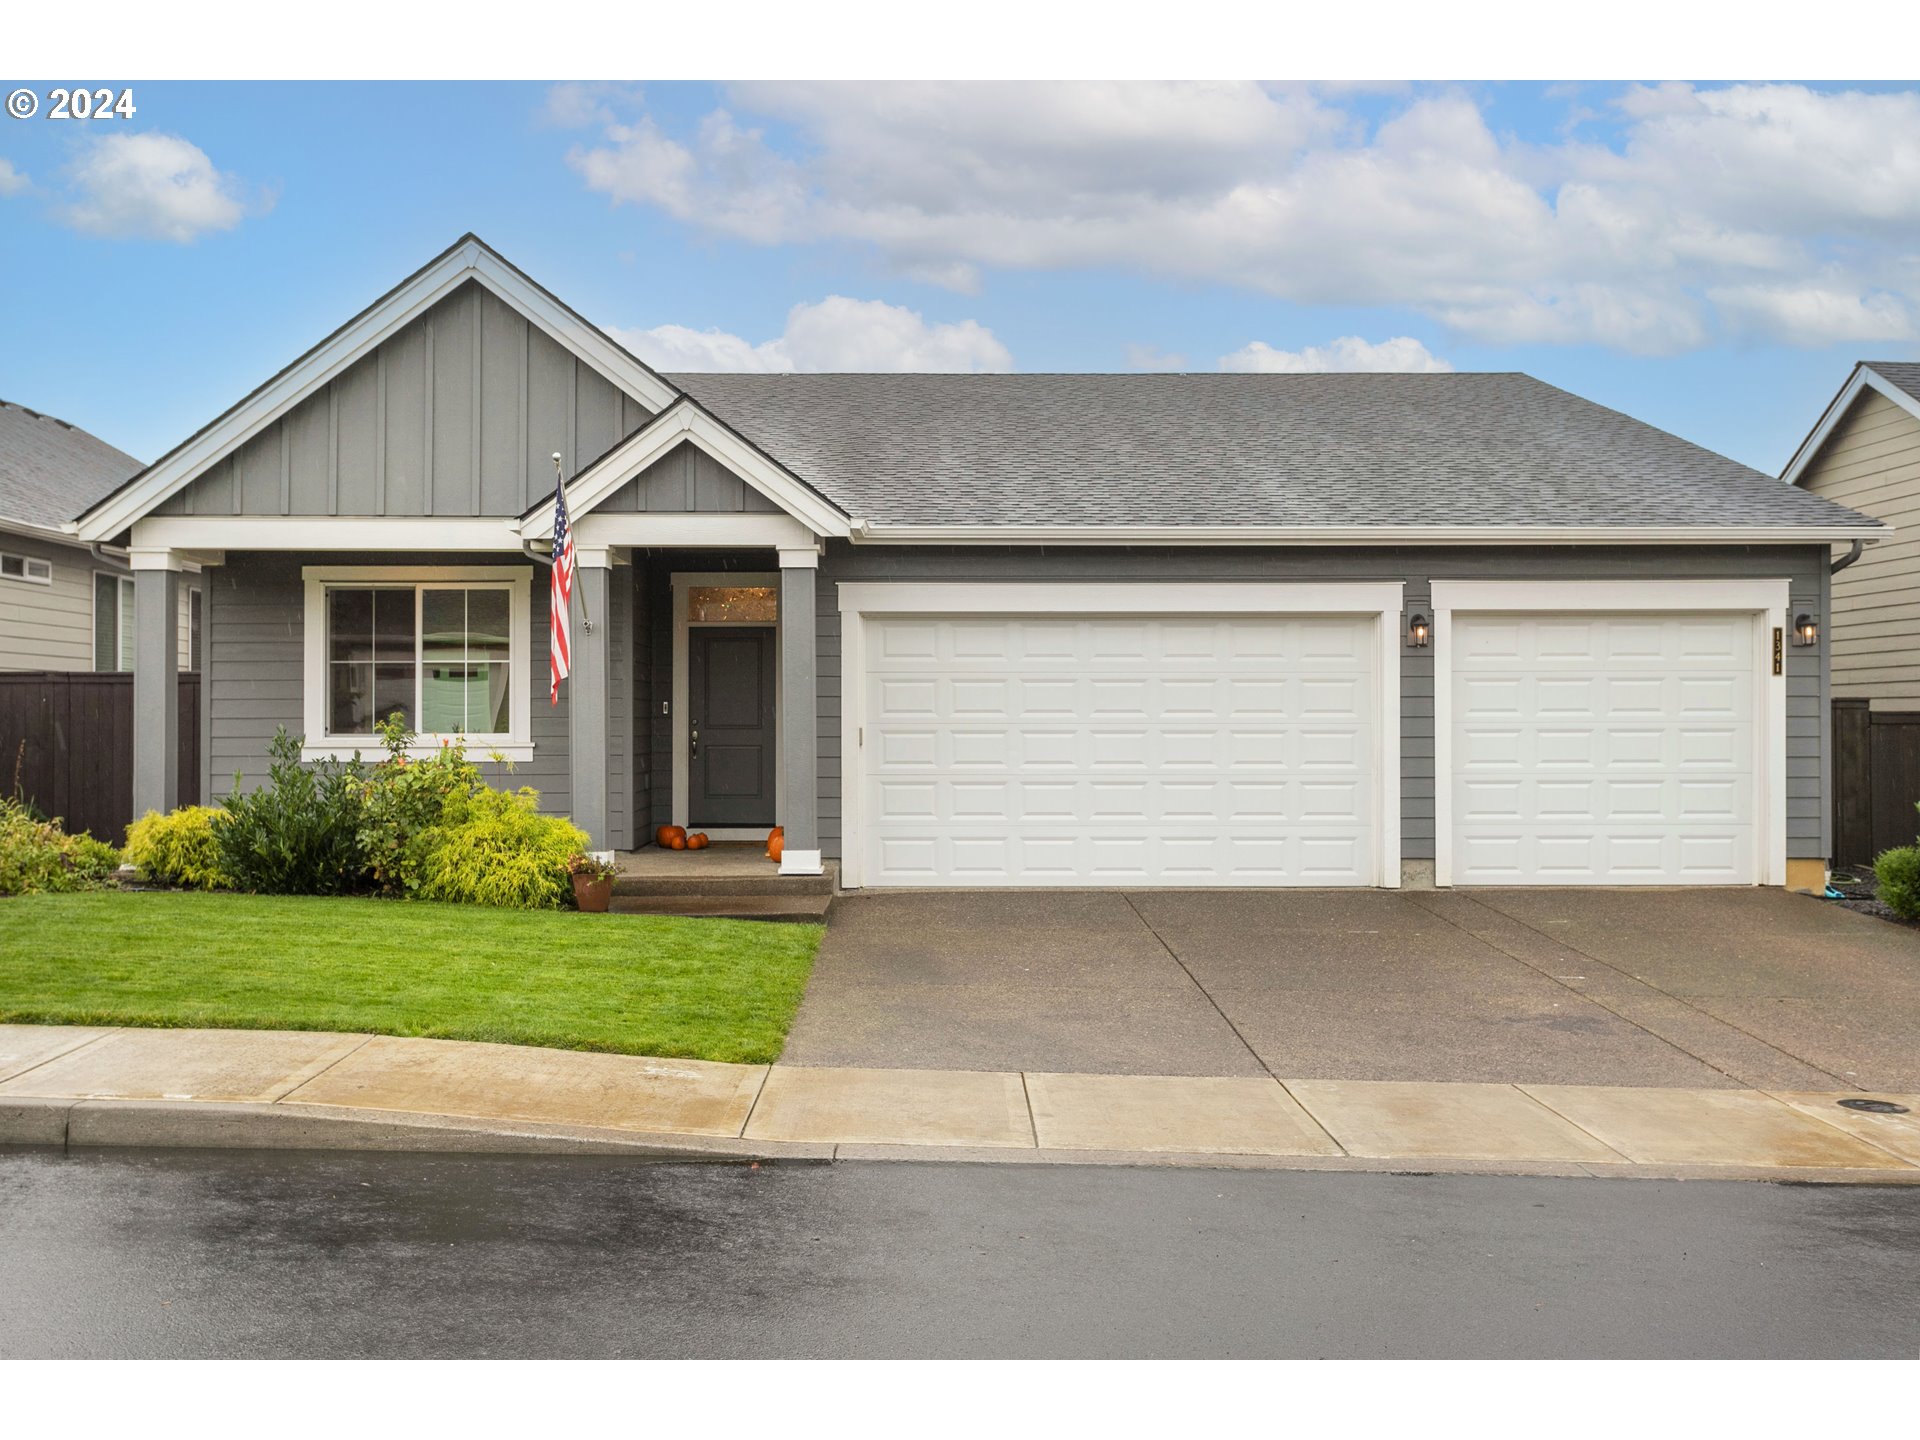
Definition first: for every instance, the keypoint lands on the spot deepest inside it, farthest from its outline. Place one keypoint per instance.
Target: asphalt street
(181, 1253)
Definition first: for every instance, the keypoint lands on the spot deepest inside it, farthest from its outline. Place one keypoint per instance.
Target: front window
(439, 656)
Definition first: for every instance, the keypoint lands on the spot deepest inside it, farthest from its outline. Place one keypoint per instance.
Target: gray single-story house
(993, 630)
(66, 605)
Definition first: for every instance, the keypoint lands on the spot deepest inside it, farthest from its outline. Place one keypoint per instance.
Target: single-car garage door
(1603, 749)
(1130, 750)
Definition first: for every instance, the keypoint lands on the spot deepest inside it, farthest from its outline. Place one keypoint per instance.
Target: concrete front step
(798, 908)
(770, 885)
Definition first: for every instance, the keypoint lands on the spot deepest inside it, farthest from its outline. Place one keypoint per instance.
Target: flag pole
(559, 487)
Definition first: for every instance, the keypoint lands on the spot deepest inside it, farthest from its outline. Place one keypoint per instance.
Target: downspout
(1847, 559)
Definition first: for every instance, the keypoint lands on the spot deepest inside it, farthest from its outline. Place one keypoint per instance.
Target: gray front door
(730, 727)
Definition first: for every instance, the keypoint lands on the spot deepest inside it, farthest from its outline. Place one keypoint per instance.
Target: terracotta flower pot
(591, 895)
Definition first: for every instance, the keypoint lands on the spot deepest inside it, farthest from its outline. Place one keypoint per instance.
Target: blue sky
(1707, 258)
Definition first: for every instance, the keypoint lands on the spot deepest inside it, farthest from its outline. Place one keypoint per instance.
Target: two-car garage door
(1122, 750)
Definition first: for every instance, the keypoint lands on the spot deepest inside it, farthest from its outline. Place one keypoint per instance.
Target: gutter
(865, 533)
(1845, 560)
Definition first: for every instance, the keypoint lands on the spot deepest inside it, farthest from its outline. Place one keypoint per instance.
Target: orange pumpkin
(775, 846)
(663, 835)
(777, 833)
(697, 841)
(677, 842)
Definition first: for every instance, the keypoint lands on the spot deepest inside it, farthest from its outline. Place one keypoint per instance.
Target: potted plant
(592, 882)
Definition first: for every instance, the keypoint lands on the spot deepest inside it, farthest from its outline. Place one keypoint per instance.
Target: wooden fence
(66, 744)
(1876, 780)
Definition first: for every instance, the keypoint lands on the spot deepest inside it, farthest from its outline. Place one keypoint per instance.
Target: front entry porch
(731, 880)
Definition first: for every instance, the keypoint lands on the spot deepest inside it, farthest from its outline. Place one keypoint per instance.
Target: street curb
(213, 1125)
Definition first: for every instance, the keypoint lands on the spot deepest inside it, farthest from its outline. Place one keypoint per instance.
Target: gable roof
(986, 453)
(51, 470)
(468, 259)
(1898, 380)
(687, 421)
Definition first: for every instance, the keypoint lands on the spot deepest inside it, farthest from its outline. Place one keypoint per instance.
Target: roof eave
(1863, 377)
(867, 533)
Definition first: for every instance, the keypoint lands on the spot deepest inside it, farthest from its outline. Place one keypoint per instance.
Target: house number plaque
(1778, 656)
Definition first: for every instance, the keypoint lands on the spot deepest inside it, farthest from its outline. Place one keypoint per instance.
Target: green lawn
(637, 985)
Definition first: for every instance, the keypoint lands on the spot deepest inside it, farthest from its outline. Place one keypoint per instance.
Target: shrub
(299, 834)
(1897, 877)
(179, 849)
(36, 854)
(497, 849)
(403, 802)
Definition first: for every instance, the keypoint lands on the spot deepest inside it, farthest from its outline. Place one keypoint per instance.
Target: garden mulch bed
(1858, 893)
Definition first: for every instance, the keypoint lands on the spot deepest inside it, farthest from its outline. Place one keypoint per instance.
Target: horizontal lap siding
(1803, 566)
(48, 627)
(1871, 463)
(256, 671)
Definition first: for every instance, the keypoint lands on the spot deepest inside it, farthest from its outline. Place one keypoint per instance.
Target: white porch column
(799, 723)
(156, 679)
(588, 685)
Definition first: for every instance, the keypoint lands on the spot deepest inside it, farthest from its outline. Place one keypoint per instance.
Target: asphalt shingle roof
(1226, 449)
(1903, 373)
(49, 470)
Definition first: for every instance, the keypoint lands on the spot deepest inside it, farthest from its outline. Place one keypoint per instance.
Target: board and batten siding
(255, 664)
(1871, 463)
(687, 480)
(457, 414)
(1804, 567)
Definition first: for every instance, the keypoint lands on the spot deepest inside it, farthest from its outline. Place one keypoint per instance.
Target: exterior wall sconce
(1419, 630)
(1806, 629)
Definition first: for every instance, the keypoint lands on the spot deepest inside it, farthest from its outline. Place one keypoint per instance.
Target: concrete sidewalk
(77, 1086)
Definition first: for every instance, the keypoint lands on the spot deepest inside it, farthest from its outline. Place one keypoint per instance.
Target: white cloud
(152, 186)
(1349, 352)
(832, 334)
(1152, 357)
(1649, 243)
(12, 181)
(577, 105)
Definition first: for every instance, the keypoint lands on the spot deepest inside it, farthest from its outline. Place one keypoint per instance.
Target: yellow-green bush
(180, 849)
(496, 848)
(37, 855)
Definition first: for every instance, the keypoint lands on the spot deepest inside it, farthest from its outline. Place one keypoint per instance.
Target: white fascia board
(321, 532)
(1861, 379)
(621, 464)
(1146, 597)
(359, 338)
(1348, 535)
(1597, 595)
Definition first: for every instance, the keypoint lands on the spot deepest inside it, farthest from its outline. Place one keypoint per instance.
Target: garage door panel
(1098, 752)
(1603, 750)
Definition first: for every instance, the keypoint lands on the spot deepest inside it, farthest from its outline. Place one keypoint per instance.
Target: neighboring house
(975, 630)
(1865, 454)
(64, 604)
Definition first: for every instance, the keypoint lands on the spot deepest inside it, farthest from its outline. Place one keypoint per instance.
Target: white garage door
(1122, 751)
(1603, 749)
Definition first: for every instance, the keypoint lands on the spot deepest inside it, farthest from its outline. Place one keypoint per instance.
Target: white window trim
(1765, 600)
(516, 745)
(23, 578)
(682, 582)
(1383, 601)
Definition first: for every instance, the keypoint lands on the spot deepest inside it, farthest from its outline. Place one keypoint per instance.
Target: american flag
(561, 602)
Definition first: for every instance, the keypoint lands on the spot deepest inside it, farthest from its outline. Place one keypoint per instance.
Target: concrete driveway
(1738, 988)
